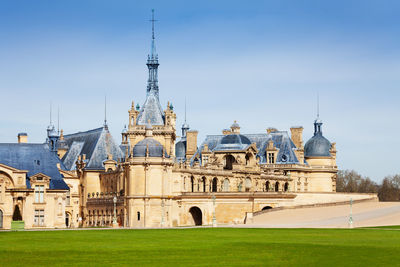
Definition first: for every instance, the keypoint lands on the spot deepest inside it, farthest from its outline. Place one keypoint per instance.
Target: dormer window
(271, 158)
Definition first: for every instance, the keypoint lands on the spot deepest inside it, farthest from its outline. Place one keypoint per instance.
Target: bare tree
(352, 182)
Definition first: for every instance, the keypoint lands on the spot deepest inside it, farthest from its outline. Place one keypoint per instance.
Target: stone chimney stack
(297, 136)
(22, 138)
(191, 143)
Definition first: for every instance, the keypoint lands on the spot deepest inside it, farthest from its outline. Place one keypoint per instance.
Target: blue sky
(258, 62)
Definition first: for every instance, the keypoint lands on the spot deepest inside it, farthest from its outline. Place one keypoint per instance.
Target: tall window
(248, 184)
(1, 193)
(271, 158)
(39, 218)
(226, 185)
(39, 193)
(68, 199)
(205, 160)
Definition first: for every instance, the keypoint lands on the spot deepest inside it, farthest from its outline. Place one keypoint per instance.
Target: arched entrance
(196, 215)
(267, 208)
(67, 219)
(17, 214)
(1, 219)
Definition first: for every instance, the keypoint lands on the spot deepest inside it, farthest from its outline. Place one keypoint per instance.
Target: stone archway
(197, 215)
(67, 220)
(267, 208)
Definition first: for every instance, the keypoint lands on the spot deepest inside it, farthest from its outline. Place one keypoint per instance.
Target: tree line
(352, 182)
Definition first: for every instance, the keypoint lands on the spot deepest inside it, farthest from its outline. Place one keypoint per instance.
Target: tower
(151, 112)
(52, 135)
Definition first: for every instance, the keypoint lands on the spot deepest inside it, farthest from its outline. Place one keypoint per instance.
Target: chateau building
(161, 182)
(153, 180)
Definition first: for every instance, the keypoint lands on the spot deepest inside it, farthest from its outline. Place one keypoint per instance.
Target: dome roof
(180, 149)
(124, 130)
(233, 142)
(155, 148)
(235, 139)
(317, 146)
(235, 125)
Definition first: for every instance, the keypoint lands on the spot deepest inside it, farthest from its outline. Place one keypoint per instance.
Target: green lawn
(202, 247)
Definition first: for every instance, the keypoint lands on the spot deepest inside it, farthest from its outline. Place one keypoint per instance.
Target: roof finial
(58, 119)
(153, 45)
(152, 23)
(105, 112)
(51, 107)
(317, 105)
(185, 109)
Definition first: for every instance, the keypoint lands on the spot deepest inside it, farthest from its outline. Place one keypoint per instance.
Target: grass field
(202, 247)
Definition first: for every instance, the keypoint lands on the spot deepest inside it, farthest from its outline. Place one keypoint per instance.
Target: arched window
(267, 185)
(68, 199)
(138, 215)
(248, 184)
(204, 183)
(226, 185)
(248, 158)
(214, 185)
(192, 183)
(276, 186)
(229, 160)
(286, 186)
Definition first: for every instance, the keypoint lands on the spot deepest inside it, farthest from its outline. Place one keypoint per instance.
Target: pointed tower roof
(151, 109)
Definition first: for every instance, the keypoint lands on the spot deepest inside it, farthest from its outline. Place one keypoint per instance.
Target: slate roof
(151, 111)
(96, 144)
(233, 142)
(34, 158)
(281, 141)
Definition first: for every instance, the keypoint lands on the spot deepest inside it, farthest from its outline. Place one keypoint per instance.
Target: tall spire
(52, 135)
(152, 62)
(317, 105)
(318, 121)
(151, 108)
(105, 112)
(51, 107)
(185, 126)
(185, 109)
(58, 119)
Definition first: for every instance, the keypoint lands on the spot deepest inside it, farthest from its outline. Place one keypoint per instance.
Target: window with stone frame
(39, 193)
(68, 199)
(39, 218)
(271, 158)
(205, 160)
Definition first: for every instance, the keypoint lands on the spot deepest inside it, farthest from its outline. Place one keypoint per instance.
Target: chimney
(22, 138)
(297, 136)
(191, 143)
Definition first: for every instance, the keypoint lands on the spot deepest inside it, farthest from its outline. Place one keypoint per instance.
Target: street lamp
(214, 219)
(115, 224)
(351, 214)
(162, 212)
